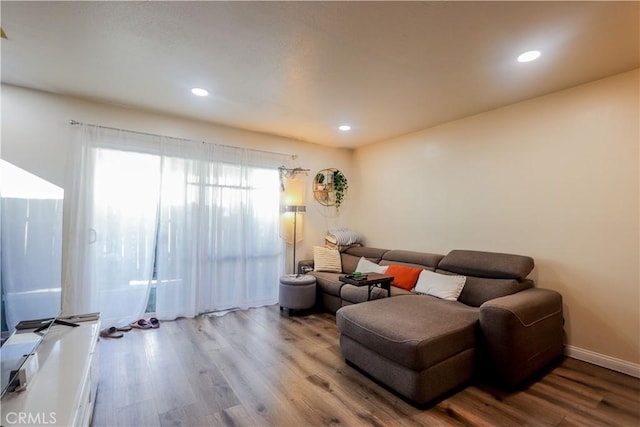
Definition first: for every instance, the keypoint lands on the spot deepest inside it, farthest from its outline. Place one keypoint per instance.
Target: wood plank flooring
(261, 368)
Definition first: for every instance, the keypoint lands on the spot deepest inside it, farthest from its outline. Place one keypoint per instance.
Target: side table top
(372, 278)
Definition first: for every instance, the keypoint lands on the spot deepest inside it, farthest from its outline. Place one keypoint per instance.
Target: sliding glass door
(218, 232)
(124, 205)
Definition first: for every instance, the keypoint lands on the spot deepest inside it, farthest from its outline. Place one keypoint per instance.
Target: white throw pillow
(440, 285)
(366, 266)
(325, 259)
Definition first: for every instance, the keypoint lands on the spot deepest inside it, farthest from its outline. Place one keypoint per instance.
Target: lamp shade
(287, 226)
(293, 194)
(292, 206)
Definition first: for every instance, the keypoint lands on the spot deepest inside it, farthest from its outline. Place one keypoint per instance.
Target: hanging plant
(329, 187)
(340, 186)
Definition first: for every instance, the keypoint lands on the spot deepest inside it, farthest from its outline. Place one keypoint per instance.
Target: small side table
(297, 292)
(372, 280)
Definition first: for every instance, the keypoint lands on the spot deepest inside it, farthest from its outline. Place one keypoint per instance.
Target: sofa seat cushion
(357, 294)
(415, 331)
(328, 282)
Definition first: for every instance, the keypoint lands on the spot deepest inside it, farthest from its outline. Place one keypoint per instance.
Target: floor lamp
(292, 207)
(297, 210)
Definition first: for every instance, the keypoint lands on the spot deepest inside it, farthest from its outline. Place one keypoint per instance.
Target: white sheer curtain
(111, 228)
(218, 244)
(197, 221)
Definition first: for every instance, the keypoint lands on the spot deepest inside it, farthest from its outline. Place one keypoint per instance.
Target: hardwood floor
(258, 368)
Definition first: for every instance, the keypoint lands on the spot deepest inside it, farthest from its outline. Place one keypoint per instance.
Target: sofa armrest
(305, 266)
(521, 333)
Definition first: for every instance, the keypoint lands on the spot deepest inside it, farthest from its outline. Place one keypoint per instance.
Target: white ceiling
(300, 69)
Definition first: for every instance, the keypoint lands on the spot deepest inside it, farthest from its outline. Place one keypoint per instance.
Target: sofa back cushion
(489, 275)
(351, 257)
(478, 290)
(422, 260)
(487, 264)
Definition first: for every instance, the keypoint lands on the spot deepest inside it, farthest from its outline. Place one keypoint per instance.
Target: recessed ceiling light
(344, 128)
(529, 56)
(199, 91)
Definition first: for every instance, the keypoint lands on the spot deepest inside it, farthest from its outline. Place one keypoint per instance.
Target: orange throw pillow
(403, 277)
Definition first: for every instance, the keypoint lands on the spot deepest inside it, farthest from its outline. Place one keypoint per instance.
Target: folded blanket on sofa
(342, 239)
(340, 248)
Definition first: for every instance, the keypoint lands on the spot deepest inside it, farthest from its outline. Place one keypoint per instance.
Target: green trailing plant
(340, 186)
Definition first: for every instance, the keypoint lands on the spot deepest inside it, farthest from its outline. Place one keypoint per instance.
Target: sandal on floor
(125, 328)
(111, 332)
(141, 324)
(155, 323)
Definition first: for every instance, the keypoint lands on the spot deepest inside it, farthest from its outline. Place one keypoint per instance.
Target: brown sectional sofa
(422, 346)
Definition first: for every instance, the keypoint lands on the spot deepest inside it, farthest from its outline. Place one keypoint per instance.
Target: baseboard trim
(608, 362)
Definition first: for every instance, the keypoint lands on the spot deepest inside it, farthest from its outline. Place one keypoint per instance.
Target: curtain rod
(75, 122)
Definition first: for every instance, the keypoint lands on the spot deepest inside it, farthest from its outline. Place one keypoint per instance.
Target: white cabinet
(62, 393)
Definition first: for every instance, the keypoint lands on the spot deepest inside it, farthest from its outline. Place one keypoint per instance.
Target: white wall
(35, 134)
(555, 178)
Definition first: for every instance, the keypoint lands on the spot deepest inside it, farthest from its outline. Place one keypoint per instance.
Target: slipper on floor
(125, 328)
(141, 324)
(111, 332)
(155, 323)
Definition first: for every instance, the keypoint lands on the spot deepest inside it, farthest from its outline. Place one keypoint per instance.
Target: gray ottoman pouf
(297, 292)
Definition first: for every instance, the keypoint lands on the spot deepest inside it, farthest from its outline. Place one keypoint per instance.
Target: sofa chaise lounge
(422, 346)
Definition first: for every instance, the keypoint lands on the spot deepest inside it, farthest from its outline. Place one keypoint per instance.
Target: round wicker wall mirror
(329, 187)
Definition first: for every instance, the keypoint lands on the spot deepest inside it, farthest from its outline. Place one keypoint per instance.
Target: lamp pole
(296, 210)
(295, 235)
